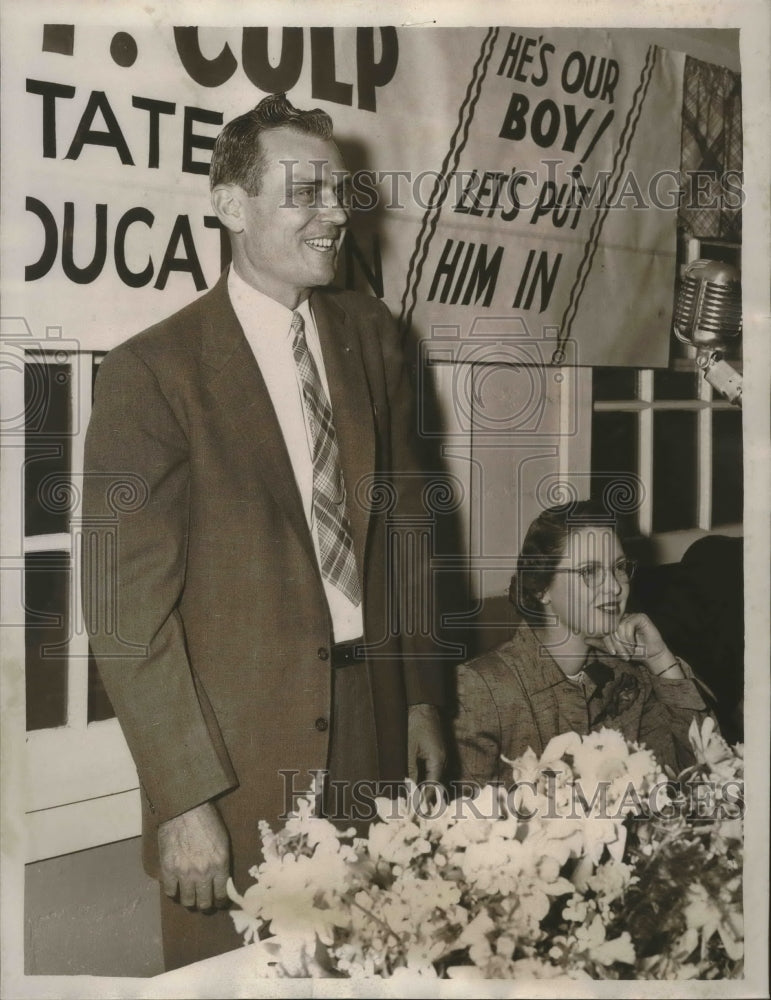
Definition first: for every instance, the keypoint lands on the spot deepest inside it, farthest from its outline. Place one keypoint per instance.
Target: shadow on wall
(698, 606)
(92, 913)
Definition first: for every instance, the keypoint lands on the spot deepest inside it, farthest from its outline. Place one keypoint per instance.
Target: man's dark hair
(544, 545)
(238, 158)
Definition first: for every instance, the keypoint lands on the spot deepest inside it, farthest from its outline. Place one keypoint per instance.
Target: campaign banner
(553, 218)
(523, 181)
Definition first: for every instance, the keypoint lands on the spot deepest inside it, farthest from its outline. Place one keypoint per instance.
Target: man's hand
(425, 742)
(195, 857)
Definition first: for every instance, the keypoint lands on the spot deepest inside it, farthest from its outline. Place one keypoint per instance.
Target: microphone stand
(721, 375)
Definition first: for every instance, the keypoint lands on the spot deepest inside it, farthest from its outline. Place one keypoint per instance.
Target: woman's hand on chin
(637, 638)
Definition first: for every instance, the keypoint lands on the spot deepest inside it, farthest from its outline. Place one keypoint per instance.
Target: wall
(92, 913)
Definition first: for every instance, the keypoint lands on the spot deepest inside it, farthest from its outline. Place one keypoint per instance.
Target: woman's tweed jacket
(516, 697)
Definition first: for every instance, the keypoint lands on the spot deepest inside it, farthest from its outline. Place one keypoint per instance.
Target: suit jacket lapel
(351, 407)
(237, 385)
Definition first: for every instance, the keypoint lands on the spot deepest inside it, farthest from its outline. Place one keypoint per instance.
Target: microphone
(708, 316)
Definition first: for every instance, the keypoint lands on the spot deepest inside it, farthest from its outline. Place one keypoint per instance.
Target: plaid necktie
(338, 562)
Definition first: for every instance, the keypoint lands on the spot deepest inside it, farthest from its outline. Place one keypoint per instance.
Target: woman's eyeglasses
(595, 574)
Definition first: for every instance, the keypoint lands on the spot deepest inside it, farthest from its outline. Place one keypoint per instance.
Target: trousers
(190, 935)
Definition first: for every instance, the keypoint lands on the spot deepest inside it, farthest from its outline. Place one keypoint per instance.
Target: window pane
(674, 470)
(47, 390)
(727, 493)
(715, 250)
(675, 385)
(46, 592)
(614, 457)
(99, 706)
(614, 383)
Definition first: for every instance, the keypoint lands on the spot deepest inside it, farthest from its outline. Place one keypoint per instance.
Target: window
(81, 782)
(671, 430)
(668, 428)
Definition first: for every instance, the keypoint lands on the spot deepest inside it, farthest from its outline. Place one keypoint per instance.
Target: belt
(345, 653)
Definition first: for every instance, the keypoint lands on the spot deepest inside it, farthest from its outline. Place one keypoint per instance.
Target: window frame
(80, 785)
(669, 546)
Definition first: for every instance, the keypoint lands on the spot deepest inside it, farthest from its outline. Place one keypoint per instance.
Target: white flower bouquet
(592, 863)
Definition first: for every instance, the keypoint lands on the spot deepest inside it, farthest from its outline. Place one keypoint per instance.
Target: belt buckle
(345, 653)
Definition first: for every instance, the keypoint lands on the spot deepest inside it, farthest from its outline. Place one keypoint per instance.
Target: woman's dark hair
(544, 546)
(237, 157)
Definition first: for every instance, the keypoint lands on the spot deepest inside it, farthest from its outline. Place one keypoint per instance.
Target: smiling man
(244, 629)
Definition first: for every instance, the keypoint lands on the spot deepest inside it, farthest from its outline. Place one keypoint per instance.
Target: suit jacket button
(321, 724)
(322, 653)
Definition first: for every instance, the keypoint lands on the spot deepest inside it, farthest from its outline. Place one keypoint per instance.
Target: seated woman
(580, 663)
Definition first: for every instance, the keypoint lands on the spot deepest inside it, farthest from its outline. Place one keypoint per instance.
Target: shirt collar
(543, 672)
(249, 301)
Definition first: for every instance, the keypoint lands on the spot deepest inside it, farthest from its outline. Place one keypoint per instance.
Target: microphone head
(708, 311)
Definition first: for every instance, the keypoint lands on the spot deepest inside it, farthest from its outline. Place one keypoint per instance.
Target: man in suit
(249, 468)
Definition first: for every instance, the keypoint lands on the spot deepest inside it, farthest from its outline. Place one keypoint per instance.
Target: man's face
(293, 228)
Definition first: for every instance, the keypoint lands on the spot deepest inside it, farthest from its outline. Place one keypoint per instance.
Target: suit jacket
(202, 589)
(516, 697)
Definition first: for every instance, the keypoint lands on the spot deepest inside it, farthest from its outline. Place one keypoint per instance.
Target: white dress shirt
(267, 326)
